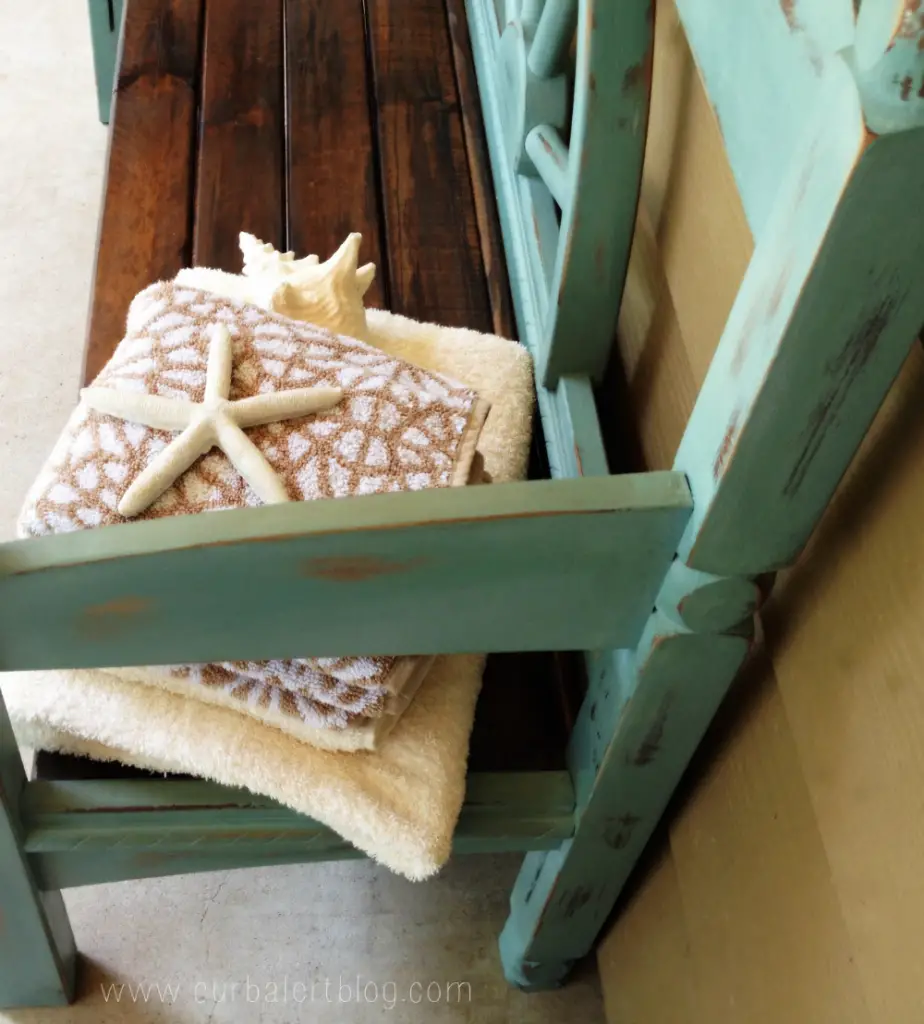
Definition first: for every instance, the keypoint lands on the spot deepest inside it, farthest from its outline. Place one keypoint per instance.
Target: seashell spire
(329, 294)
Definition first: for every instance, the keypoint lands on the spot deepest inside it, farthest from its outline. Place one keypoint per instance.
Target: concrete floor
(295, 928)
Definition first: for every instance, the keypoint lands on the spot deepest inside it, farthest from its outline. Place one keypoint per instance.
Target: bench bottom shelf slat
(92, 821)
(103, 830)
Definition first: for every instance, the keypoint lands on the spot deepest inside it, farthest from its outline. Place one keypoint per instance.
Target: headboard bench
(656, 577)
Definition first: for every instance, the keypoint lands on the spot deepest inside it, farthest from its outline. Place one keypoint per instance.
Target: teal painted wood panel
(888, 61)
(825, 316)
(37, 952)
(105, 25)
(552, 37)
(773, 56)
(644, 714)
(612, 85)
(571, 429)
(566, 283)
(580, 442)
(531, 235)
(67, 869)
(763, 62)
(828, 309)
(80, 833)
(529, 566)
(573, 441)
(528, 218)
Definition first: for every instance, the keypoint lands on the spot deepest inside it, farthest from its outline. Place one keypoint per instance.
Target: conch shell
(328, 294)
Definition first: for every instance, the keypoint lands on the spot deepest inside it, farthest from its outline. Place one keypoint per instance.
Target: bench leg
(37, 954)
(641, 721)
(105, 20)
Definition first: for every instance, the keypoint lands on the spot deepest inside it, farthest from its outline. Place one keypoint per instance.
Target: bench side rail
(530, 566)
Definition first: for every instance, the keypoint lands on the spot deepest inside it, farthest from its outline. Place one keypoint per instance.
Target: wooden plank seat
(289, 145)
(302, 120)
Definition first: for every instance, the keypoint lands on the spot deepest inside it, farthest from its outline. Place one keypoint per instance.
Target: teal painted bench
(822, 111)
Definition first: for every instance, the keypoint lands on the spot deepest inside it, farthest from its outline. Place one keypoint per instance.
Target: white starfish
(213, 422)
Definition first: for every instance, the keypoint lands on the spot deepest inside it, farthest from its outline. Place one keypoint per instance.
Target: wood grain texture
(764, 855)
(652, 943)
(240, 183)
(333, 184)
(844, 631)
(37, 952)
(434, 251)
(144, 232)
(381, 574)
(476, 149)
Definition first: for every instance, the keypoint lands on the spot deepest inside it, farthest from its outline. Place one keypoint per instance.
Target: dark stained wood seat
(301, 128)
(300, 122)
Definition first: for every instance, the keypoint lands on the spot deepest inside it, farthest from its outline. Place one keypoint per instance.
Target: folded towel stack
(399, 803)
(395, 427)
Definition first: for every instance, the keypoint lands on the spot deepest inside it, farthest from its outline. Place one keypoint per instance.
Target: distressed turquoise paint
(828, 309)
(579, 429)
(94, 867)
(47, 804)
(528, 219)
(81, 833)
(826, 314)
(97, 867)
(527, 211)
(528, 100)
(762, 62)
(549, 155)
(571, 428)
(568, 322)
(607, 141)
(643, 716)
(105, 25)
(553, 34)
(543, 244)
(706, 603)
(888, 61)
(37, 953)
(428, 572)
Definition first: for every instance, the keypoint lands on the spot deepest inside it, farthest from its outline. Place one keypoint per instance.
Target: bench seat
(294, 129)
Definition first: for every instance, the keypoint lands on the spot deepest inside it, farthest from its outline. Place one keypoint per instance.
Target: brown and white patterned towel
(398, 427)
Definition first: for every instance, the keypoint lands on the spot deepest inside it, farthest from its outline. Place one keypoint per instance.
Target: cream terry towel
(400, 803)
